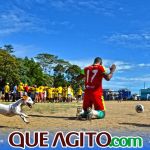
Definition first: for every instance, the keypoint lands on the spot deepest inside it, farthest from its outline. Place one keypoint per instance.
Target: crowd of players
(41, 93)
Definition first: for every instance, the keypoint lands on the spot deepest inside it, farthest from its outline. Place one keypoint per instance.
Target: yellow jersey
(20, 88)
(50, 93)
(59, 89)
(64, 92)
(79, 91)
(32, 90)
(41, 89)
(37, 89)
(56, 92)
(6, 89)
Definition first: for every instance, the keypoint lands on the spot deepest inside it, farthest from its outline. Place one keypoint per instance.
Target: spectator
(14, 93)
(69, 93)
(60, 89)
(6, 92)
(79, 93)
(20, 90)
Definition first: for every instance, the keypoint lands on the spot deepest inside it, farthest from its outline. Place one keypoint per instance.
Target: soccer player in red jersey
(93, 95)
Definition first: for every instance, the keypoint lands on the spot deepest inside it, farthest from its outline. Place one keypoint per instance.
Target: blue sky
(80, 30)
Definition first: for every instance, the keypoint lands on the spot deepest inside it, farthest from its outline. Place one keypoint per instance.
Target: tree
(59, 72)
(47, 70)
(59, 69)
(9, 48)
(60, 80)
(63, 62)
(32, 73)
(8, 68)
(46, 61)
(71, 73)
(47, 80)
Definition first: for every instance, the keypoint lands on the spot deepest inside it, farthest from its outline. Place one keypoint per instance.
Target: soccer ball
(139, 108)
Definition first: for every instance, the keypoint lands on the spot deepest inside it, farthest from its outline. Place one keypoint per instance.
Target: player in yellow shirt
(44, 94)
(69, 93)
(20, 90)
(72, 94)
(37, 99)
(64, 94)
(79, 93)
(56, 95)
(6, 92)
(41, 91)
(53, 94)
(60, 90)
(50, 94)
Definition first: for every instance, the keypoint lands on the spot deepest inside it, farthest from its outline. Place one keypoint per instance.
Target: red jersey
(26, 88)
(93, 77)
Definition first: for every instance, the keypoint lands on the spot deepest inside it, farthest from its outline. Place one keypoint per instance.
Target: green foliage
(71, 73)
(44, 69)
(59, 69)
(30, 71)
(46, 61)
(8, 67)
(59, 80)
(9, 48)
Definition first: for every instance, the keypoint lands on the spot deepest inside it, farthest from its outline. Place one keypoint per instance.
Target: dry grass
(61, 116)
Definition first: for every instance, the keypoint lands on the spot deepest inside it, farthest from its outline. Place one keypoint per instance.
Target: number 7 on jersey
(94, 73)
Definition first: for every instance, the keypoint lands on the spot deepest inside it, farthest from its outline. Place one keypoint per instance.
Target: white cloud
(132, 40)
(144, 65)
(121, 66)
(132, 83)
(15, 17)
(145, 78)
(16, 20)
(102, 7)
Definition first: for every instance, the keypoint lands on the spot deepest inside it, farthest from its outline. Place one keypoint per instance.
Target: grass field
(61, 116)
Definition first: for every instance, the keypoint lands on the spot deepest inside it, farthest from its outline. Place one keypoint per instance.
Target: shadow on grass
(1, 127)
(61, 117)
(55, 117)
(131, 114)
(136, 124)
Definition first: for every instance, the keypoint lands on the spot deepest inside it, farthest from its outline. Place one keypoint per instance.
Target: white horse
(16, 108)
